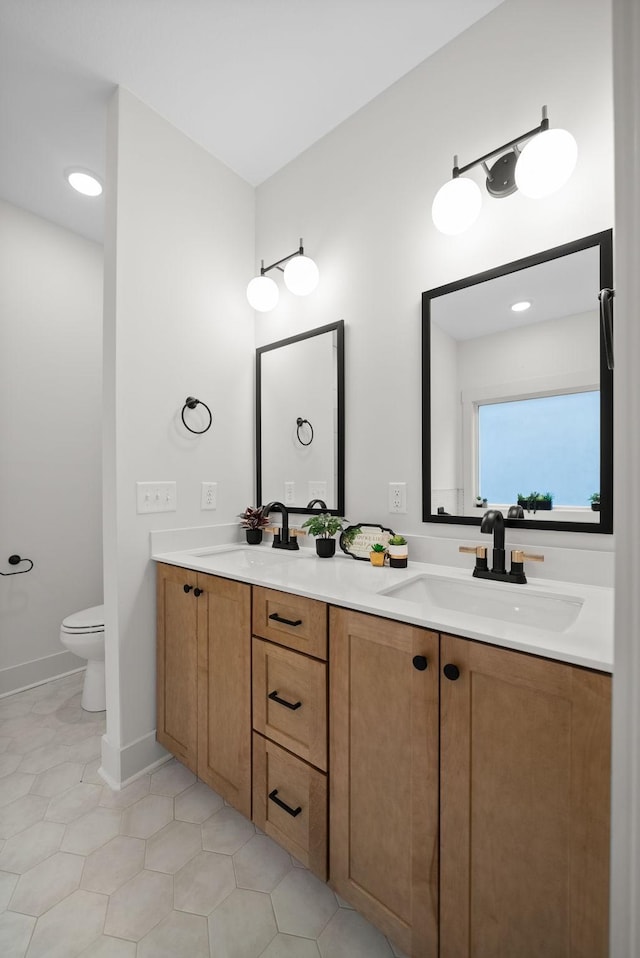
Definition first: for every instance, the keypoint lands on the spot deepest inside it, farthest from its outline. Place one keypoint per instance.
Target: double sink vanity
(436, 747)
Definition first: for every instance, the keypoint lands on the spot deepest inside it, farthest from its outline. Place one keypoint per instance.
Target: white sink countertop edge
(355, 584)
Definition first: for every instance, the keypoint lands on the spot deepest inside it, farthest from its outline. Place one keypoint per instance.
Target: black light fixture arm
(285, 259)
(544, 125)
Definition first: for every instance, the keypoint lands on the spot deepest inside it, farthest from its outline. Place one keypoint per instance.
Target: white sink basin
(238, 557)
(494, 600)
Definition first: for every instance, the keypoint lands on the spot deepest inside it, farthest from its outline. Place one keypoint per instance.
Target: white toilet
(83, 634)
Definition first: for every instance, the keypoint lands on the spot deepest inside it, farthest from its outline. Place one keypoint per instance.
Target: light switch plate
(317, 489)
(156, 497)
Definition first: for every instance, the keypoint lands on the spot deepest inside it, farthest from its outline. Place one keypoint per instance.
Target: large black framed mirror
(517, 400)
(300, 440)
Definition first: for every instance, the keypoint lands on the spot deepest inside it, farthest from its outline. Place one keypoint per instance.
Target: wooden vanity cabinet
(384, 775)
(524, 805)
(204, 678)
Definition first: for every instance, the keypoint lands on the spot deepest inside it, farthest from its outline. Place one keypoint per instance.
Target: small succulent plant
(397, 540)
(378, 547)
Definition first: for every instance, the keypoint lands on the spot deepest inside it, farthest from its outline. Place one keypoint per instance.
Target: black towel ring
(191, 403)
(14, 560)
(300, 422)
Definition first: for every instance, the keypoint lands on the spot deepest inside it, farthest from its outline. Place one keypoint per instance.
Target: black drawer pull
(288, 705)
(278, 618)
(197, 592)
(290, 811)
(420, 662)
(451, 672)
(187, 588)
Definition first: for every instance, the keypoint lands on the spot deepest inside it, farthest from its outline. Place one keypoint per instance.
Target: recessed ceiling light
(520, 307)
(84, 182)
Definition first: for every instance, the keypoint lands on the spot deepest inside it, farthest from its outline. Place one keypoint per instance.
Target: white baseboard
(17, 678)
(122, 766)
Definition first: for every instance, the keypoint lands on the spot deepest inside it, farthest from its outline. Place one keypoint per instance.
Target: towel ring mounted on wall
(191, 403)
(300, 422)
(15, 560)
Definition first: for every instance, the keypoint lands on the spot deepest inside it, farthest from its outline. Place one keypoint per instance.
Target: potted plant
(254, 521)
(398, 552)
(480, 503)
(377, 554)
(324, 526)
(595, 501)
(536, 501)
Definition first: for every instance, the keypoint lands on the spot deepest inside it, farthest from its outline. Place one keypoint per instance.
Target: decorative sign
(359, 546)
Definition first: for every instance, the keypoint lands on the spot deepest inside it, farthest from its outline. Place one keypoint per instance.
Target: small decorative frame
(359, 546)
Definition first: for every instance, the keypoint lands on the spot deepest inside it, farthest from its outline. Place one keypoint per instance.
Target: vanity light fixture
(83, 181)
(520, 307)
(538, 169)
(300, 277)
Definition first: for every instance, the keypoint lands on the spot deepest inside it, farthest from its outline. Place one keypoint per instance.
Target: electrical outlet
(397, 497)
(289, 493)
(156, 497)
(209, 495)
(317, 489)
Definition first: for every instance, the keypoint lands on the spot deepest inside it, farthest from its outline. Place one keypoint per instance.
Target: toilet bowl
(83, 634)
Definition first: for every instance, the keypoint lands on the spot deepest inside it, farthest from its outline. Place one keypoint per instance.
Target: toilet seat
(85, 621)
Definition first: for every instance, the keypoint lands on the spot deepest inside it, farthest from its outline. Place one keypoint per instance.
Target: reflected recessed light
(84, 182)
(520, 307)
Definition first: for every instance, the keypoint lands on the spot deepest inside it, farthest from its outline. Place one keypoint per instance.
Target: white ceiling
(255, 82)
(566, 286)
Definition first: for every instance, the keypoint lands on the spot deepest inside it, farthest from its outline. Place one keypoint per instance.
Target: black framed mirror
(517, 403)
(300, 419)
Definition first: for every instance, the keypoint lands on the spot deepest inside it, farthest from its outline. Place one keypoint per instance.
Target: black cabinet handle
(288, 705)
(290, 811)
(278, 618)
(451, 672)
(187, 588)
(198, 592)
(420, 662)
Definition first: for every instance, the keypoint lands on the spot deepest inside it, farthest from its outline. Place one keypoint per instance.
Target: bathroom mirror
(518, 399)
(300, 421)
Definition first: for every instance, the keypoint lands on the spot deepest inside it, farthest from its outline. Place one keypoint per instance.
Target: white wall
(361, 198)
(178, 247)
(50, 437)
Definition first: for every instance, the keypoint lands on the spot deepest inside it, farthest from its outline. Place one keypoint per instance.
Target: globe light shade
(301, 275)
(456, 206)
(546, 163)
(263, 294)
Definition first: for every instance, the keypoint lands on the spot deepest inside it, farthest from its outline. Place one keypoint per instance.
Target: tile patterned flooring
(162, 869)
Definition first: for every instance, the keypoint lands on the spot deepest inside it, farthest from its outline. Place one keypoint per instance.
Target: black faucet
(282, 539)
(493, 521)
(321, 504)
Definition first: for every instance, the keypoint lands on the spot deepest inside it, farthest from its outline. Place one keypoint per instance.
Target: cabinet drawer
(301, 826)
(291, 620)
(290, 700)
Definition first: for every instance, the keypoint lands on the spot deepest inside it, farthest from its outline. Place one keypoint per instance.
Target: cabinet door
(224, 689)
(383, 822)
(176, 667)
(524, 806)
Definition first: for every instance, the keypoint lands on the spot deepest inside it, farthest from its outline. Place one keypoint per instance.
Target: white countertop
(356, 584)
